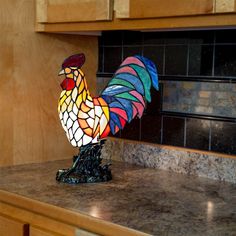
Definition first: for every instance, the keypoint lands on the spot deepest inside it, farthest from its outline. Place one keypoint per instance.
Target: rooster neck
(82, 89)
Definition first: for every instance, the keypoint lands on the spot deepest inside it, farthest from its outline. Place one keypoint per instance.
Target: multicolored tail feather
(129, 89)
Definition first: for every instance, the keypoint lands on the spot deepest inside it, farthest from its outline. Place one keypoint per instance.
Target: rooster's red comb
(76, 60)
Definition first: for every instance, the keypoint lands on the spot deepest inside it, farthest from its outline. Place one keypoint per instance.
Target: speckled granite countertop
(149, 200)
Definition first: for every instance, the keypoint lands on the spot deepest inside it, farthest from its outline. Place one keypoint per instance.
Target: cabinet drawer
(56, 11)
(11, 227)
(134, 9)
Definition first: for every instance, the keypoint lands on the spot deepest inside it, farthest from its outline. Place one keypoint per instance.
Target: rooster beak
(62, 72)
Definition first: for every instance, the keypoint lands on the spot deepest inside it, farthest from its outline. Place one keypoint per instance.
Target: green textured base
(86, 167)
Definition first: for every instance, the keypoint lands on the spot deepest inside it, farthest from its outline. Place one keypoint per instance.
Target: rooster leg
(86, 167)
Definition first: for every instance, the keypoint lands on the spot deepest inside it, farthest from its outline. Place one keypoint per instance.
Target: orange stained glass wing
(83, 124)
(102, 102)
(85, 108)
(95, 101)
(89, 132)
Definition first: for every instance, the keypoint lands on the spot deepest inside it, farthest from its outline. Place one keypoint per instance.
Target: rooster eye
(68, 70)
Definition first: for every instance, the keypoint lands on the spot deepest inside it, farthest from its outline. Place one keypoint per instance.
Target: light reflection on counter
(210, 211)
(95, 211)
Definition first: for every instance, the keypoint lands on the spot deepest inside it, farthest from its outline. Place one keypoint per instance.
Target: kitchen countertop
(148, 200)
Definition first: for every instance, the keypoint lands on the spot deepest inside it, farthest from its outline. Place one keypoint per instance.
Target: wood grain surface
(52, 11)
(157, 8)
(12, 227)
(30, 130)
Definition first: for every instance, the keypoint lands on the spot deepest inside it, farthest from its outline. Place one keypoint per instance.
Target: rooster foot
(86, 167)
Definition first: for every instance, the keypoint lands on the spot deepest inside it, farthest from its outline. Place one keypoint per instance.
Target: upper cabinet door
(135, 9)
(60, 11)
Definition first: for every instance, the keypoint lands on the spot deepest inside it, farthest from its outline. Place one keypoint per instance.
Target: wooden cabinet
(43, 219)
(12, 227)
(132, 15)
(134, 9)
(56, 11)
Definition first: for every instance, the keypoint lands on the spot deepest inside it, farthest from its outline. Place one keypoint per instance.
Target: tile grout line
(122, 47)
(185, 128)
(210, 136)
(164, 60)
(187, 64)
(161, 130)
(103, 58)
(213, 56)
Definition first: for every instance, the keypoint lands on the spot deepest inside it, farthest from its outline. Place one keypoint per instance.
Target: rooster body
(87, 120)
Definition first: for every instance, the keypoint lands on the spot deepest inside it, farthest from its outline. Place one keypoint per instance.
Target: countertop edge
(76, 219)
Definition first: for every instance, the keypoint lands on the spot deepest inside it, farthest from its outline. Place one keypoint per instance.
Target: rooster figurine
(88, 120)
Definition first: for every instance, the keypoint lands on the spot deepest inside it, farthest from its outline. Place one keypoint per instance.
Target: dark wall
(196, 104)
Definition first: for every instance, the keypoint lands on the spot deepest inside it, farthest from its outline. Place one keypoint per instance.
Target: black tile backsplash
(173, 131)
(225, 36)
(176, 59)
(223, 136)
(112, 58)
(130, 51)
(154, 107)
(201, 37)
(199, 63)
(197, 133)
(132, 130)
(111, 38)
(151, 128)
(154, 38)
(100, 59)
(203, 56)
(225, 60)
(132, 38)
(176, 37)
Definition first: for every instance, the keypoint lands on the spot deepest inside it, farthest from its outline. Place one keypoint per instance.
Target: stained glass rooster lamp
(87, 120)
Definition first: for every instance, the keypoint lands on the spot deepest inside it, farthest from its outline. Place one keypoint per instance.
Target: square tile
(197, 133)
(201, 36)
(226, 36)
(225, 63)
(132, 38)
(100, 59)
(132, 130)
(154, 107)
(132, 51)
(151, 128)
(176, 37)
(200, 60)
(112, 59)
(173, 131)
(176, 60)
(112, 38)
(153, 38)
(223, 136)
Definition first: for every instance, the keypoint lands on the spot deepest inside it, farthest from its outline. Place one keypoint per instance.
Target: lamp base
(86, 167)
